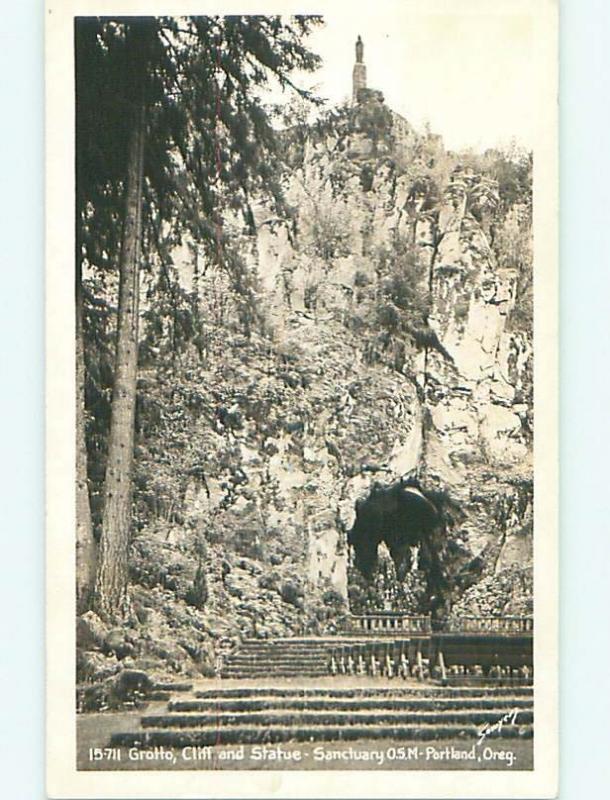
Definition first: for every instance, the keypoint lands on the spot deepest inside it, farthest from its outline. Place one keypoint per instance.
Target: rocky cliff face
(389, 348)
(451, 402)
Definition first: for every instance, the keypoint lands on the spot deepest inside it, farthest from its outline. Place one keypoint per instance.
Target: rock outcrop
(382, 343)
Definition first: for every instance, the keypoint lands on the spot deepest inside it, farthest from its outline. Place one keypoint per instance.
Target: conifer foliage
(171, 131)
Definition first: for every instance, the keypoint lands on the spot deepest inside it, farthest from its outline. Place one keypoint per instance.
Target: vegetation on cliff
(369, 317)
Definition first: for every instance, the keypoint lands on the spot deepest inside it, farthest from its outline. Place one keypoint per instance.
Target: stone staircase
(249, 714)
(302, 657)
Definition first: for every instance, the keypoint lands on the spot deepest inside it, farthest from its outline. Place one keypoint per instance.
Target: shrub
(361, 279)
(292, 593)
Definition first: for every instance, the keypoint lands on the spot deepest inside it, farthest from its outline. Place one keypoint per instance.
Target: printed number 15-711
(104, 754)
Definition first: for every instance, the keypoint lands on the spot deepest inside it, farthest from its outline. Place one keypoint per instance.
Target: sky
(467, 72)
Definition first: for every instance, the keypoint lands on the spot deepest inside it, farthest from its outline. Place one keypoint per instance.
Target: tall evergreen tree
(170, 118)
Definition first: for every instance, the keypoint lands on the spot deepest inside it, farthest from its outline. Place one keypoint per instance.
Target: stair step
(266, 659)
(291, 666)
(286, 650)
(256, 664)
(293, 641)
(477, 680)
(245, 675)
(325, 717)
(257, 669)
(364, 692)
(249, 735)
(281, 651)
(158, 696)
(269, 672)
(349, 704)
(284, 662)
(172, 687)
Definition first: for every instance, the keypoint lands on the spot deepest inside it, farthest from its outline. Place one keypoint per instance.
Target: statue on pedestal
(359, 73)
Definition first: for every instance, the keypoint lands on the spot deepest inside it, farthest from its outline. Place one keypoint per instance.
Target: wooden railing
(486, 625)
(389, 623)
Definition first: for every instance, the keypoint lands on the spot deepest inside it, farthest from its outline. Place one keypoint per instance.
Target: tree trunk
(85, 542)
(111, 597)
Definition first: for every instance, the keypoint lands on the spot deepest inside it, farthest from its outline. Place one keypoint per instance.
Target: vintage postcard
(301, 382)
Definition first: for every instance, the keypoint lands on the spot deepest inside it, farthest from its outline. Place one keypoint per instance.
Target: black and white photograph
(297, 518)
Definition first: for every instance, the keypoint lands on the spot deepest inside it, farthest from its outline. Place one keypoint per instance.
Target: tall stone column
(359, 73)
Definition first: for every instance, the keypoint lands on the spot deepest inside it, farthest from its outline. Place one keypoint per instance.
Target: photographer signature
(510, 718)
